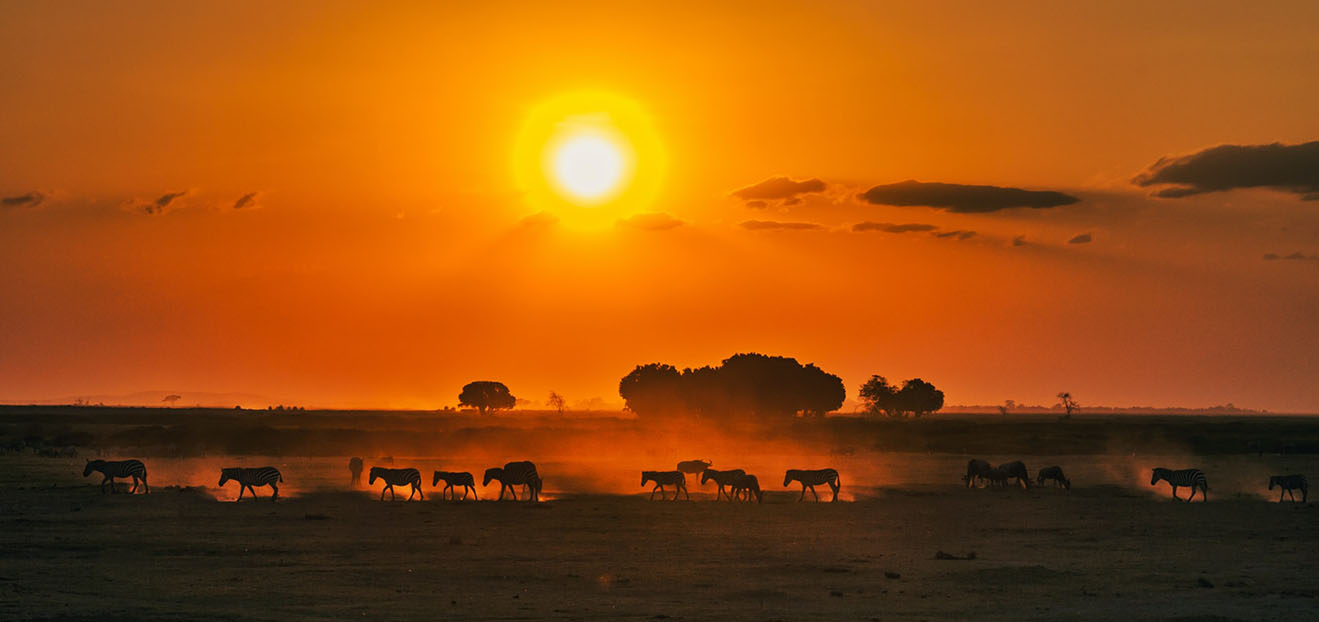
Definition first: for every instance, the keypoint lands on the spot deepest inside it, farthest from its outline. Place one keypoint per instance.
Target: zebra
(452, 479)
(976, 469)
(1195, 478)
(721, 478)
(516, 474)
(1288, 484)
(123, 468)
(355, 467)
(1016, 470)
(748, 484)
(694, 467)
(250, 478)
(997, 476)
(1054, 473)
(811, 479)
(666, 478)
(397, 477)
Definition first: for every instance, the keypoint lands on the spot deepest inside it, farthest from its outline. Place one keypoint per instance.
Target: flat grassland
(1111, 547)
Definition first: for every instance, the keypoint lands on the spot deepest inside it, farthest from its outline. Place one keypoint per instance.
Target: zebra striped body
(1054, 473)
(976, 469)
(694, 467)
(1016, 470)
(1289, 484)
(1195, 478)
(721, 478)
(251, 478)
(123, 468)
(397, 477)
(452, 479)
(355, 467)
(811, 479)
(516, 474)
(747, 484)
(666, 478)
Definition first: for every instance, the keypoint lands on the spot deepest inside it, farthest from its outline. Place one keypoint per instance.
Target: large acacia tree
(486, 395)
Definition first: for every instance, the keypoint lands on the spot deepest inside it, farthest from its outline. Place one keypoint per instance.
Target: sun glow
(588, 167)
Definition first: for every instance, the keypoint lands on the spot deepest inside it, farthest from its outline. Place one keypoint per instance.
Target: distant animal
(516, 474)
(666, 478)
(1017, 470)
(997, 476)
(749, 485)
(976, 469)
(123, 468)
(1195, 478)
(355, 467)
(694, 467)
(397, 477)
(1290, 483)
(250, 478)
(721, 478)
(811, 479)
(1054, 473)
(452, 479)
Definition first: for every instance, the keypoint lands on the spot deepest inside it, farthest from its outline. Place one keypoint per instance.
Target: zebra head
(226, 475)
(1274, 481)
(376, 473)
(789, 476)
(646, 476)
(91, 467)
(492, 474)
(708, 475)
(1159, 473)
(436, 479)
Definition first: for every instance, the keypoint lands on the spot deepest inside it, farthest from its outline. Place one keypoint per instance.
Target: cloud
(1297, 256)
(160, 205)
(538, 220)
(963, 198)
(1020, 240)
(771, 225)
(1084, 238)
(888, 227)
(31, 199)
(248, 201)
(651, 221)
(959, 234)
(1289, 168)
(779, 188)
(757, 204)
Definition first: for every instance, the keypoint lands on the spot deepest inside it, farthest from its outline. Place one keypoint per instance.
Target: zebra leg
(274, 492)
(835, 485)
(1188, 499)
(684, 492)
(241, 488)
(652, 492)
(382, 492)
(145, 485)
(421, 495)
(513, 490)
(803, 493)
(103, 481)
(134, 489)
(813, 493)
(1174, 493)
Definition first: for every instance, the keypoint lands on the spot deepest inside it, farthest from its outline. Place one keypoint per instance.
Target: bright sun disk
(588, 166)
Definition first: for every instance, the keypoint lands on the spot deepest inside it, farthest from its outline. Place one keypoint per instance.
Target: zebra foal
(666, 478)
(250, 478)
(811, 479)
(1195, 478)
(122, 468)
(1290, 483)
(452, 479)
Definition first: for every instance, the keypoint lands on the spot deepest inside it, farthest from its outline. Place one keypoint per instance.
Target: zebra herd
(739, 484)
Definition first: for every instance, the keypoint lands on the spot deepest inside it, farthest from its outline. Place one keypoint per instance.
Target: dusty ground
(1109, 548)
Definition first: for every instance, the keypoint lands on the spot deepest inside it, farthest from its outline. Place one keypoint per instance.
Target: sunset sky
(348, 204)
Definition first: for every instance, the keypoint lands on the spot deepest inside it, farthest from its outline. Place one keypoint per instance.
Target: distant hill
(187, 399)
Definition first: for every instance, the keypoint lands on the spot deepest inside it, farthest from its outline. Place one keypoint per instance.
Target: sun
(589, 158)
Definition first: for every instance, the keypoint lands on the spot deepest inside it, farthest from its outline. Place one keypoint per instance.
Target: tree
(747, 384)
(1068, 404)
(171, 399)
(919, 397)
(486, 395)
(556, 402)
(881, 397)
(651, 389)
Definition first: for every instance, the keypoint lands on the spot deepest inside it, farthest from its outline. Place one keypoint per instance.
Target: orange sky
(389, 256)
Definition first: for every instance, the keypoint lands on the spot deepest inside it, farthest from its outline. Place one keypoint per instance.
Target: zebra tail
(281, 478)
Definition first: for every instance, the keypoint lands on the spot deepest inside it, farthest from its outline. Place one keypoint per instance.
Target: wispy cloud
(771, 225)
(1297, 256)
(888, 227)
(963, 198)
(248, 201)
(160, 205)
(651, 221)
(778, 190)
(1084, 238)
(959, 234)
(31, 199)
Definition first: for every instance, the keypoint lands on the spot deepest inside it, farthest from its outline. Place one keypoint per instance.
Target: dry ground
(1109, 548)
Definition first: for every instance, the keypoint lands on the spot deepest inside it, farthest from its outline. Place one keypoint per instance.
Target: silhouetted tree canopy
(916, 397)
(486, 395)
(743, 384)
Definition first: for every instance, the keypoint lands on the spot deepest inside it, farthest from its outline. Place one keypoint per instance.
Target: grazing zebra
(516, 474)
(1016, 470)
(976, 469)
(355, 467)
(694, 467)
(250, 478)
(997, 476)
(451, 479)
(1054, 473)
(397, 477)
(747, 484)
(666, 478)
(811, 479)
(1289, 483)
(123, 468)
(1195, 478)
(721, 478)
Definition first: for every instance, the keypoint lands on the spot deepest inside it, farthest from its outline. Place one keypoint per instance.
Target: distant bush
(742, 385)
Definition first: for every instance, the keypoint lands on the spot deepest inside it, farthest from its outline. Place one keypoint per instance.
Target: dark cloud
(888, 227)
(1084, 238)
(248, 201)
(778, 188)
(1289, 168)
(162, 204)
(31, 199)
(651, 221)
(959, 234)
(769, 225)
(1020, 241)
(757, 204)
(1297, 256)
(963, 198)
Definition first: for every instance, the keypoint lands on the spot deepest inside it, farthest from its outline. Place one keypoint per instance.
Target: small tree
(486, 395)
(171, 399)
(557, 402)
(1068, 404)
(880, 397)
(919, 397)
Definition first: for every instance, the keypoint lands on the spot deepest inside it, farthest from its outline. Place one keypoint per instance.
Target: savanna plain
(907, 539)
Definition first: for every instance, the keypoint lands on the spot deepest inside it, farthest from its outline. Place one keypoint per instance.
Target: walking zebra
(1289, 483)
(1195, 478)
(123, 468)
(1054, 473)
(452, 479)
(747, 484)
(721, 478)
(516, 474)
(355, 467)
(666, 478)
(694, 467)
(397, 477)
(250, 478)
(811, 479)
(1016, 470)
(976, 469)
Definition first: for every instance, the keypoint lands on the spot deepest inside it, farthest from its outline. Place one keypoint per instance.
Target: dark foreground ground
(1108, 549)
